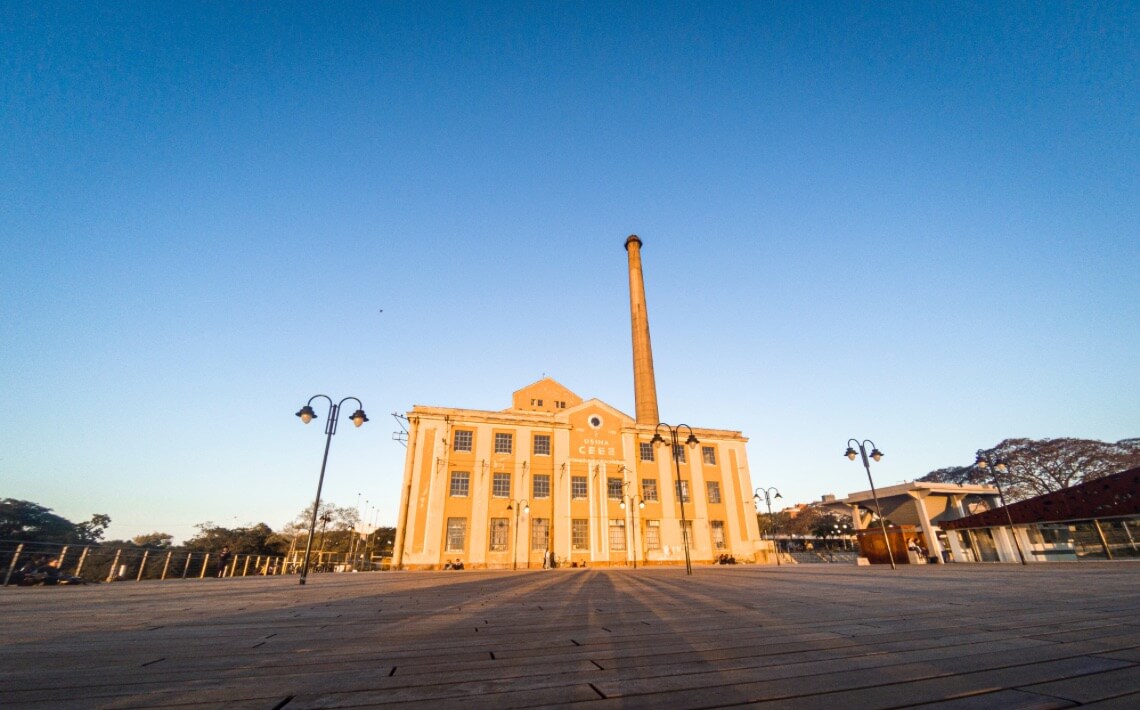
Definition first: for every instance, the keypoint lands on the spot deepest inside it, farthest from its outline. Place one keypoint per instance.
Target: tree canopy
(154, 539)
(1039, 466)
(253, 540)
(24, 520)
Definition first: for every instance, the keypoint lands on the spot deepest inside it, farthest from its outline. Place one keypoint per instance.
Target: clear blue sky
(910, 222)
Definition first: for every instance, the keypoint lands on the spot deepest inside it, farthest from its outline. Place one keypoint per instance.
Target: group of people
(726, 559)
(42, 570)
(457, 564)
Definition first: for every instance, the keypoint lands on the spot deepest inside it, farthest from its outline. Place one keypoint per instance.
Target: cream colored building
(577, 479)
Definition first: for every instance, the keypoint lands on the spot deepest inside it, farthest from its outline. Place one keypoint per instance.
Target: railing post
(166, 565)
(186, 568)
(205, 564)
(246, 567)
(82, 559)
(62, 554)
(142, 565)
(114, 565)
(12, 564)
(1103, 541)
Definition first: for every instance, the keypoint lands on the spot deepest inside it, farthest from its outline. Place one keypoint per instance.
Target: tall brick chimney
(644, 384)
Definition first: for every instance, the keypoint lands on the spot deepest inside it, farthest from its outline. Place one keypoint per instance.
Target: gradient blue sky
(910, 222)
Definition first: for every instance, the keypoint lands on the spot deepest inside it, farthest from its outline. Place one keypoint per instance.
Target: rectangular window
(460, 484)
(718, 534)
(501, 485)
(541, 444)
(500, 533)
(463, 440)
(681, 489)
(504, 443)
(539, 533)
(714, 491)
(613, 488)
(578, 486)
(456, 534)
(541, 486)
(687, 531)
(649, 490)
(617, 534)
(646, 451)
(580, 533)
(679, 453)
(653, 534)
(708, 455)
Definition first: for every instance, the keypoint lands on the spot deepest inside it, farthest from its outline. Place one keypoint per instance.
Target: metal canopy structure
(1113, 496)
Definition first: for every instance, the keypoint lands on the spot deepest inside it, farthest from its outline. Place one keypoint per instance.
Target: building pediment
(546, 395)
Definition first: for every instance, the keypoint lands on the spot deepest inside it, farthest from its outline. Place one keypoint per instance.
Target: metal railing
(51, 563)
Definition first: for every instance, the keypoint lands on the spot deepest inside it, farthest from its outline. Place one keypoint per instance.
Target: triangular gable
(609, 409)
(545, 395)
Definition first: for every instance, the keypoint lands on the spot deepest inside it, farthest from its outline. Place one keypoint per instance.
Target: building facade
(556, 477)
(579, 479)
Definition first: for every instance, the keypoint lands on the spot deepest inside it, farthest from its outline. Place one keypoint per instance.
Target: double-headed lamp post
(519, 506)
(766, 494)
(877, 455)
(691, 442)
(307, 415)
(998, 466)
(635, 498)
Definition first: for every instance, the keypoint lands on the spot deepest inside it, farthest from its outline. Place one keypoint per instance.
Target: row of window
(558, 403)
(504, 444)
(464, 440)
(579, 534)
(708, 453)
(501, 487)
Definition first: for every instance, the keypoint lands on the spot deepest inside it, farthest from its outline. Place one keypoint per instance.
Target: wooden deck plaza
(813, 636)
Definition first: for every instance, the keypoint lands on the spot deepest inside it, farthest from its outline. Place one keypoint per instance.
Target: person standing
(223, 560)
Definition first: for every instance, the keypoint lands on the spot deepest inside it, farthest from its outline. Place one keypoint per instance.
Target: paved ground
(954, 636)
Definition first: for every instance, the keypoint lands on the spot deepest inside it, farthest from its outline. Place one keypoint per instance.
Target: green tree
(777, 524)
(383, 540)
(252, 540)
(1039, 466)
(830, 524)
(337, 531)
(92, 530)
(24, 520)
(154, 539)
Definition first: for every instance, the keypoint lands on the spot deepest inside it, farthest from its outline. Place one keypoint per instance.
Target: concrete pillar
(935, 547)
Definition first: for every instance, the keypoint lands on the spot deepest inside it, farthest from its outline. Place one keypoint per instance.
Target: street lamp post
(636, 497)
(325, 520)
(999, 466)
(877, 455)
(691, 442)
(307, 415)
(767, 494)
(519, 506)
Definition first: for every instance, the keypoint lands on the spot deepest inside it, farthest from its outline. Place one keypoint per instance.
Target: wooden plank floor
(946, 636)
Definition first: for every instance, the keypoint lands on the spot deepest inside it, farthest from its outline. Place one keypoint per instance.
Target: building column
(935, 549)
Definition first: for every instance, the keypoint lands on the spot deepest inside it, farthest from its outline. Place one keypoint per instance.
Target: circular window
(595, 421)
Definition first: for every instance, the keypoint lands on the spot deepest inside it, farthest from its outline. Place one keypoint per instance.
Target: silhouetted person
(223, 560)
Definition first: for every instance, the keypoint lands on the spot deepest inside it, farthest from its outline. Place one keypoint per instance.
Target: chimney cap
(632, 238)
